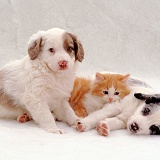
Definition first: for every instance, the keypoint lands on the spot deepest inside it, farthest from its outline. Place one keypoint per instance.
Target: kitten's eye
(69, 49)
(105, 92)
(116, 93)
(52, 50)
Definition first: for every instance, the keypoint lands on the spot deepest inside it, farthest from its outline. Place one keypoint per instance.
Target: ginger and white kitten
(91, 95)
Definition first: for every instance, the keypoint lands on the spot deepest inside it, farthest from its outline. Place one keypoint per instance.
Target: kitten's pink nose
(62, 64)
(110, 99)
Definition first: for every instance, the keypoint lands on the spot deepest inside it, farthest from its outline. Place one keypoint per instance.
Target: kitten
(91, 95)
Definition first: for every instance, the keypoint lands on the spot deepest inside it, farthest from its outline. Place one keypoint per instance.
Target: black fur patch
(154, 130)
(139, 96)
(155, 98)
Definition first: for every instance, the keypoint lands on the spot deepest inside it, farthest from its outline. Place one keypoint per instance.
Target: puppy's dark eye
(116, 93)
(146, 111)
(105, 92)
(52, 50)
(69, 49)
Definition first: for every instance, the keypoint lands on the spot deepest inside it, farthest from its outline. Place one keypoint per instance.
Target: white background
(118, 35)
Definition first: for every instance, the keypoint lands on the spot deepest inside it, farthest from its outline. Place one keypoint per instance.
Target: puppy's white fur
(38, 84)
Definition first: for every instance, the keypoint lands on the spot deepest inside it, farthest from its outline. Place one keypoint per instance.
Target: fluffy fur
(89, 95)
(42, 81)
(115, 116)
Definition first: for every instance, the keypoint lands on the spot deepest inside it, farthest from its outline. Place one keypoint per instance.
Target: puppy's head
(147, 115)
(57, 48)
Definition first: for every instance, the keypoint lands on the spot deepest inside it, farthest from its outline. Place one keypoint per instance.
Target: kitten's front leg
(104, 127)
(91, 121)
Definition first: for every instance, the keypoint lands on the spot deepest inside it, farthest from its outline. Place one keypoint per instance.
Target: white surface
(27, 141)
(118, 35)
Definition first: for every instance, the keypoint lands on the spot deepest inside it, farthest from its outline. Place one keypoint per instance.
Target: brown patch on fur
(34, 49)
(68, 43)
(81, 87)
(117, 80)
(6, 99)
(71, 43)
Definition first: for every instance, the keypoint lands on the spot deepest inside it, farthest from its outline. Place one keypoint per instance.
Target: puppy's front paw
(55, 130)
(58, 131)
(102, 128)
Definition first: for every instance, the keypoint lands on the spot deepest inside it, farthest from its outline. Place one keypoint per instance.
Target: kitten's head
(110, 87)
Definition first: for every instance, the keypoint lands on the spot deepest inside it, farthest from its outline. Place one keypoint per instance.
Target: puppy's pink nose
(62, 64)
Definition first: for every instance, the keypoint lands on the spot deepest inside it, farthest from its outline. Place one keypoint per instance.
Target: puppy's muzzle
(63, 65)
(134, 127)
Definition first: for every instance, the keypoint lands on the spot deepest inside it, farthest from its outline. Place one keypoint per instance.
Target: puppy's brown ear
(79, 51)
(34, 45)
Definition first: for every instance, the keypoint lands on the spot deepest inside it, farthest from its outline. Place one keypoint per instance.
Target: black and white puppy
(146, 119)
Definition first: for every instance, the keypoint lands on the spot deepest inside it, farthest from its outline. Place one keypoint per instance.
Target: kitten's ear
(124, 78)
(99, 76)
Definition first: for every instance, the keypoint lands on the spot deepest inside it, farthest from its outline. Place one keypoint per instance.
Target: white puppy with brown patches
(42, 81)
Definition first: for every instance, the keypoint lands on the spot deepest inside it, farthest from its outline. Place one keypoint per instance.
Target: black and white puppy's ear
(152, 98)
(34, 44)
(140, 96)
(79, 51)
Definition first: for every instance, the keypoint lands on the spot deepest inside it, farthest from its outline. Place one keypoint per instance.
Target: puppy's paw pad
(102, 129)
(23, 118)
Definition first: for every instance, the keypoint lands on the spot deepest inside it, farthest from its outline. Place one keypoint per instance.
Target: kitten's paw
(80, 126)
(102, 128)
(23, 118)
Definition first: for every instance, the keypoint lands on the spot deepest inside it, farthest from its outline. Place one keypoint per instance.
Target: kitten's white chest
(92, 103)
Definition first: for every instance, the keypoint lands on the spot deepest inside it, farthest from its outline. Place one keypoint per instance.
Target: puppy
(42, 81)
(146, 119)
